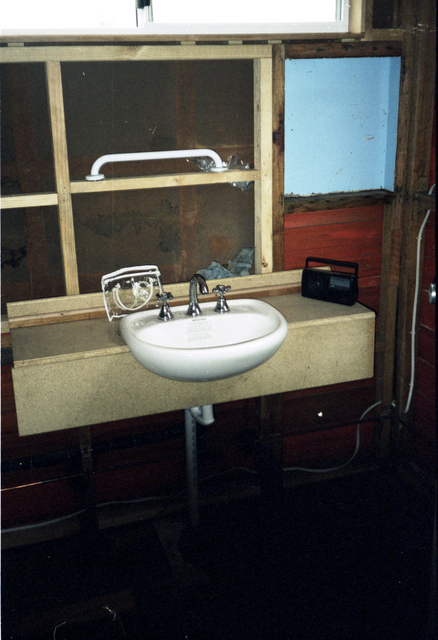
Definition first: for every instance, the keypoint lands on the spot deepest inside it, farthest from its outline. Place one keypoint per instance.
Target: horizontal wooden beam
(91, 305)
(163, 181)
(325, 202)
(120, 53)
(343, 49)
(25, 200)
(99, 312)
(199, 39)
(130, 184)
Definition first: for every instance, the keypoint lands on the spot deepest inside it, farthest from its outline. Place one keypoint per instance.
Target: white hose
(414, 311)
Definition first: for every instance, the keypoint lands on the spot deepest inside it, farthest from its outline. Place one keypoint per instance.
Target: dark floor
(339, 559)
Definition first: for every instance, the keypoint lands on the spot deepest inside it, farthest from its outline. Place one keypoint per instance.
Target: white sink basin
(207, 347)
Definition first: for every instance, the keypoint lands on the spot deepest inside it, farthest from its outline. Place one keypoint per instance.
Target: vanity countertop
(80, 373)
(97, 337)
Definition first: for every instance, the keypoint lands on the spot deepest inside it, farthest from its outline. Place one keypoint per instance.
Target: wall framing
(53, 56)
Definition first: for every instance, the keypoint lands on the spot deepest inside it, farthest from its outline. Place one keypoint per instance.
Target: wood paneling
(345, 234)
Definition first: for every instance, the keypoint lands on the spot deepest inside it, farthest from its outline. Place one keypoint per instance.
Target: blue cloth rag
(240, 266)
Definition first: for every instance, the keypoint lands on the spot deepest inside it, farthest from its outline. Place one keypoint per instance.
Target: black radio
(332, 286)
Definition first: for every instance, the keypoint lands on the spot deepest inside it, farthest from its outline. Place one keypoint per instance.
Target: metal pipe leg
(192, 467)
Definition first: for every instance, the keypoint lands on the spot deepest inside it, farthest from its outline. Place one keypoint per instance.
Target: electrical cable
(414, 311)
(35, 525)
(348, 461)
(115, 502)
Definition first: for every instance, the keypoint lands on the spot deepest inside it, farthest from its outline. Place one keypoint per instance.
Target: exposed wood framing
(325, 202)
(419, 20)
(262, 174)
(343, 49)
(278, 156)
(137, 53)
(161, 181)
(270, 438)
(29, 200)
(356, 17)
(129, 184)
(57, 118)
(29, 313)
(263, 162)
(404, 216)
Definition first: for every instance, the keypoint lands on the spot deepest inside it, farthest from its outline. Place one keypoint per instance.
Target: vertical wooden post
(420, 45)
(263, 162)
(270, 440)
(402, 224)
(385, 340)
(57, 118)
(90, 520)
(278, 54)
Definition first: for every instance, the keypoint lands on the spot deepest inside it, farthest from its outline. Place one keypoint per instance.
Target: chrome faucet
(194, 309)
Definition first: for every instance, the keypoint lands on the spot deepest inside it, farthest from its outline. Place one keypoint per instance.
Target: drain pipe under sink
(202, 415)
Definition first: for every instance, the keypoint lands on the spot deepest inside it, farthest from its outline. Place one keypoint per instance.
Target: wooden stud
(269, 422)
(90, 523)
(278, 156)
(263, 162)
(420, 45)
(57, 117)
(368, 17)
(357, 16)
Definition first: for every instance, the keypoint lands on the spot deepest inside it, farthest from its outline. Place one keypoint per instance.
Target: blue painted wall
(340, 124)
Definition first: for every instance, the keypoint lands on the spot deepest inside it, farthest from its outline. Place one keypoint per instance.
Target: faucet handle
(165, 312)
(221, 289)
(222, 305)
(164, 297)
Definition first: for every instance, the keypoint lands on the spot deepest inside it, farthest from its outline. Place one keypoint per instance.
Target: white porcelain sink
(208, 347)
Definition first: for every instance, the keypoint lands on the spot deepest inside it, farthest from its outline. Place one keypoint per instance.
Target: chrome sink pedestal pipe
(201, 415)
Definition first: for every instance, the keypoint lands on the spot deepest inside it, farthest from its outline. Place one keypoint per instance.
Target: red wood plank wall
(425, 390)
(344, 234)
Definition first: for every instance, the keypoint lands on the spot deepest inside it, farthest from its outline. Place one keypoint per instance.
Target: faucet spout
(193, 309)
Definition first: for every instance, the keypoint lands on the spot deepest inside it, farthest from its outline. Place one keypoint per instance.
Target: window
(177, 17)
(247, 16)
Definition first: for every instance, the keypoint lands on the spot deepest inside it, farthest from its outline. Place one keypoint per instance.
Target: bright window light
(25, 15)
(243, 11)
(175, 16)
